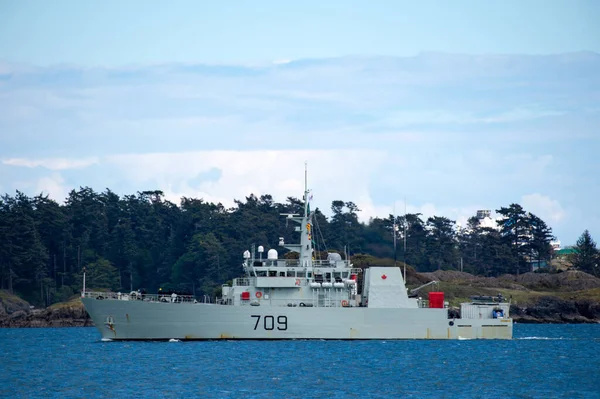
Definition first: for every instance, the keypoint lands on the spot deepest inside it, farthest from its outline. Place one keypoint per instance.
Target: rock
(588, 309)
(10, 303)
(19, 314)
(550, 309)
(14, 312)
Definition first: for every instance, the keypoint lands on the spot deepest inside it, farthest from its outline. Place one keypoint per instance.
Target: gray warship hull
(298, 297)
(139, 320)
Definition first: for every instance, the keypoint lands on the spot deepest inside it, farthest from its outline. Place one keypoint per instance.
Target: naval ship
(303, 298)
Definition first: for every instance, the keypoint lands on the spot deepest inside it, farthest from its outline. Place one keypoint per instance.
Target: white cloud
(54, 186)
(459, 215)
(544, 207)
(333, 174)
(52, 163)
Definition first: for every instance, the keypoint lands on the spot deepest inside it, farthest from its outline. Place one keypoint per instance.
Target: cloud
(54, 186)
(451, 133)
(544, 207)
(223, 176)
(51, 163)
(241, 173)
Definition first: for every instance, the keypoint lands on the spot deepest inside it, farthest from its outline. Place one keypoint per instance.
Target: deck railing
(135, 296)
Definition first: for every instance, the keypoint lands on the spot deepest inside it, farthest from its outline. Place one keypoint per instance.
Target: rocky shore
(567, 297)
(15, 313)
(549, 309)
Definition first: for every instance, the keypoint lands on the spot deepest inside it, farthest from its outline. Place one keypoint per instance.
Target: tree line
(144, 241)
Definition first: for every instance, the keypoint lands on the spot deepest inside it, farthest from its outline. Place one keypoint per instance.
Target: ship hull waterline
(139, 320)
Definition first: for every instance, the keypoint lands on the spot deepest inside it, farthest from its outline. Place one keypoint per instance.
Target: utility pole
(62, 282)
(394, 228)
(405, 223)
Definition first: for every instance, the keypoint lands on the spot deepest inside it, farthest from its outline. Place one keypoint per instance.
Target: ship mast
(304, 249)
(305, 227)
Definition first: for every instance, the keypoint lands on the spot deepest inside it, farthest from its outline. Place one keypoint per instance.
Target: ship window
(281, 274)
(328, 276)
(261, 273)
(272, 273)
(301, 273)
(345, 274)
(309, 274)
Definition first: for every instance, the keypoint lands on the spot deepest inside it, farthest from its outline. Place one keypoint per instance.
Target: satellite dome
(272, 254)
(334, 256)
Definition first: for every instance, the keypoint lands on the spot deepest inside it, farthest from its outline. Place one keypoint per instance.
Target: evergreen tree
(101, 274)
(143, 241)
(514, 228)
(441, 243)
(586, 256)
(416, 241)
(541, 235)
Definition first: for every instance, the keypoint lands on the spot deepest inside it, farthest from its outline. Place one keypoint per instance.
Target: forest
(143, 241)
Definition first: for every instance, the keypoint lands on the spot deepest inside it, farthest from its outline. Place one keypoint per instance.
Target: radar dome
(261, 249)
(272, 254)
(246, 254)
(334, 256)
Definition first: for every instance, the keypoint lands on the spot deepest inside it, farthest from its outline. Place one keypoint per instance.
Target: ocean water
(543, 361)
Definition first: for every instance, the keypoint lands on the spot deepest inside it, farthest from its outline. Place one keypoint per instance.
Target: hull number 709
(269, 322)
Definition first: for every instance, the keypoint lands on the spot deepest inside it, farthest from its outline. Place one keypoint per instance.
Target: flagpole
(83, 292)
(404, 253)
(394, 232)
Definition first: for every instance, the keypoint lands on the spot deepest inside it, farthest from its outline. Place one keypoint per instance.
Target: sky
(440, 107)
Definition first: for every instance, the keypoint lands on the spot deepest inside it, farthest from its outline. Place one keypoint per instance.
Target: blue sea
(543, 361)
